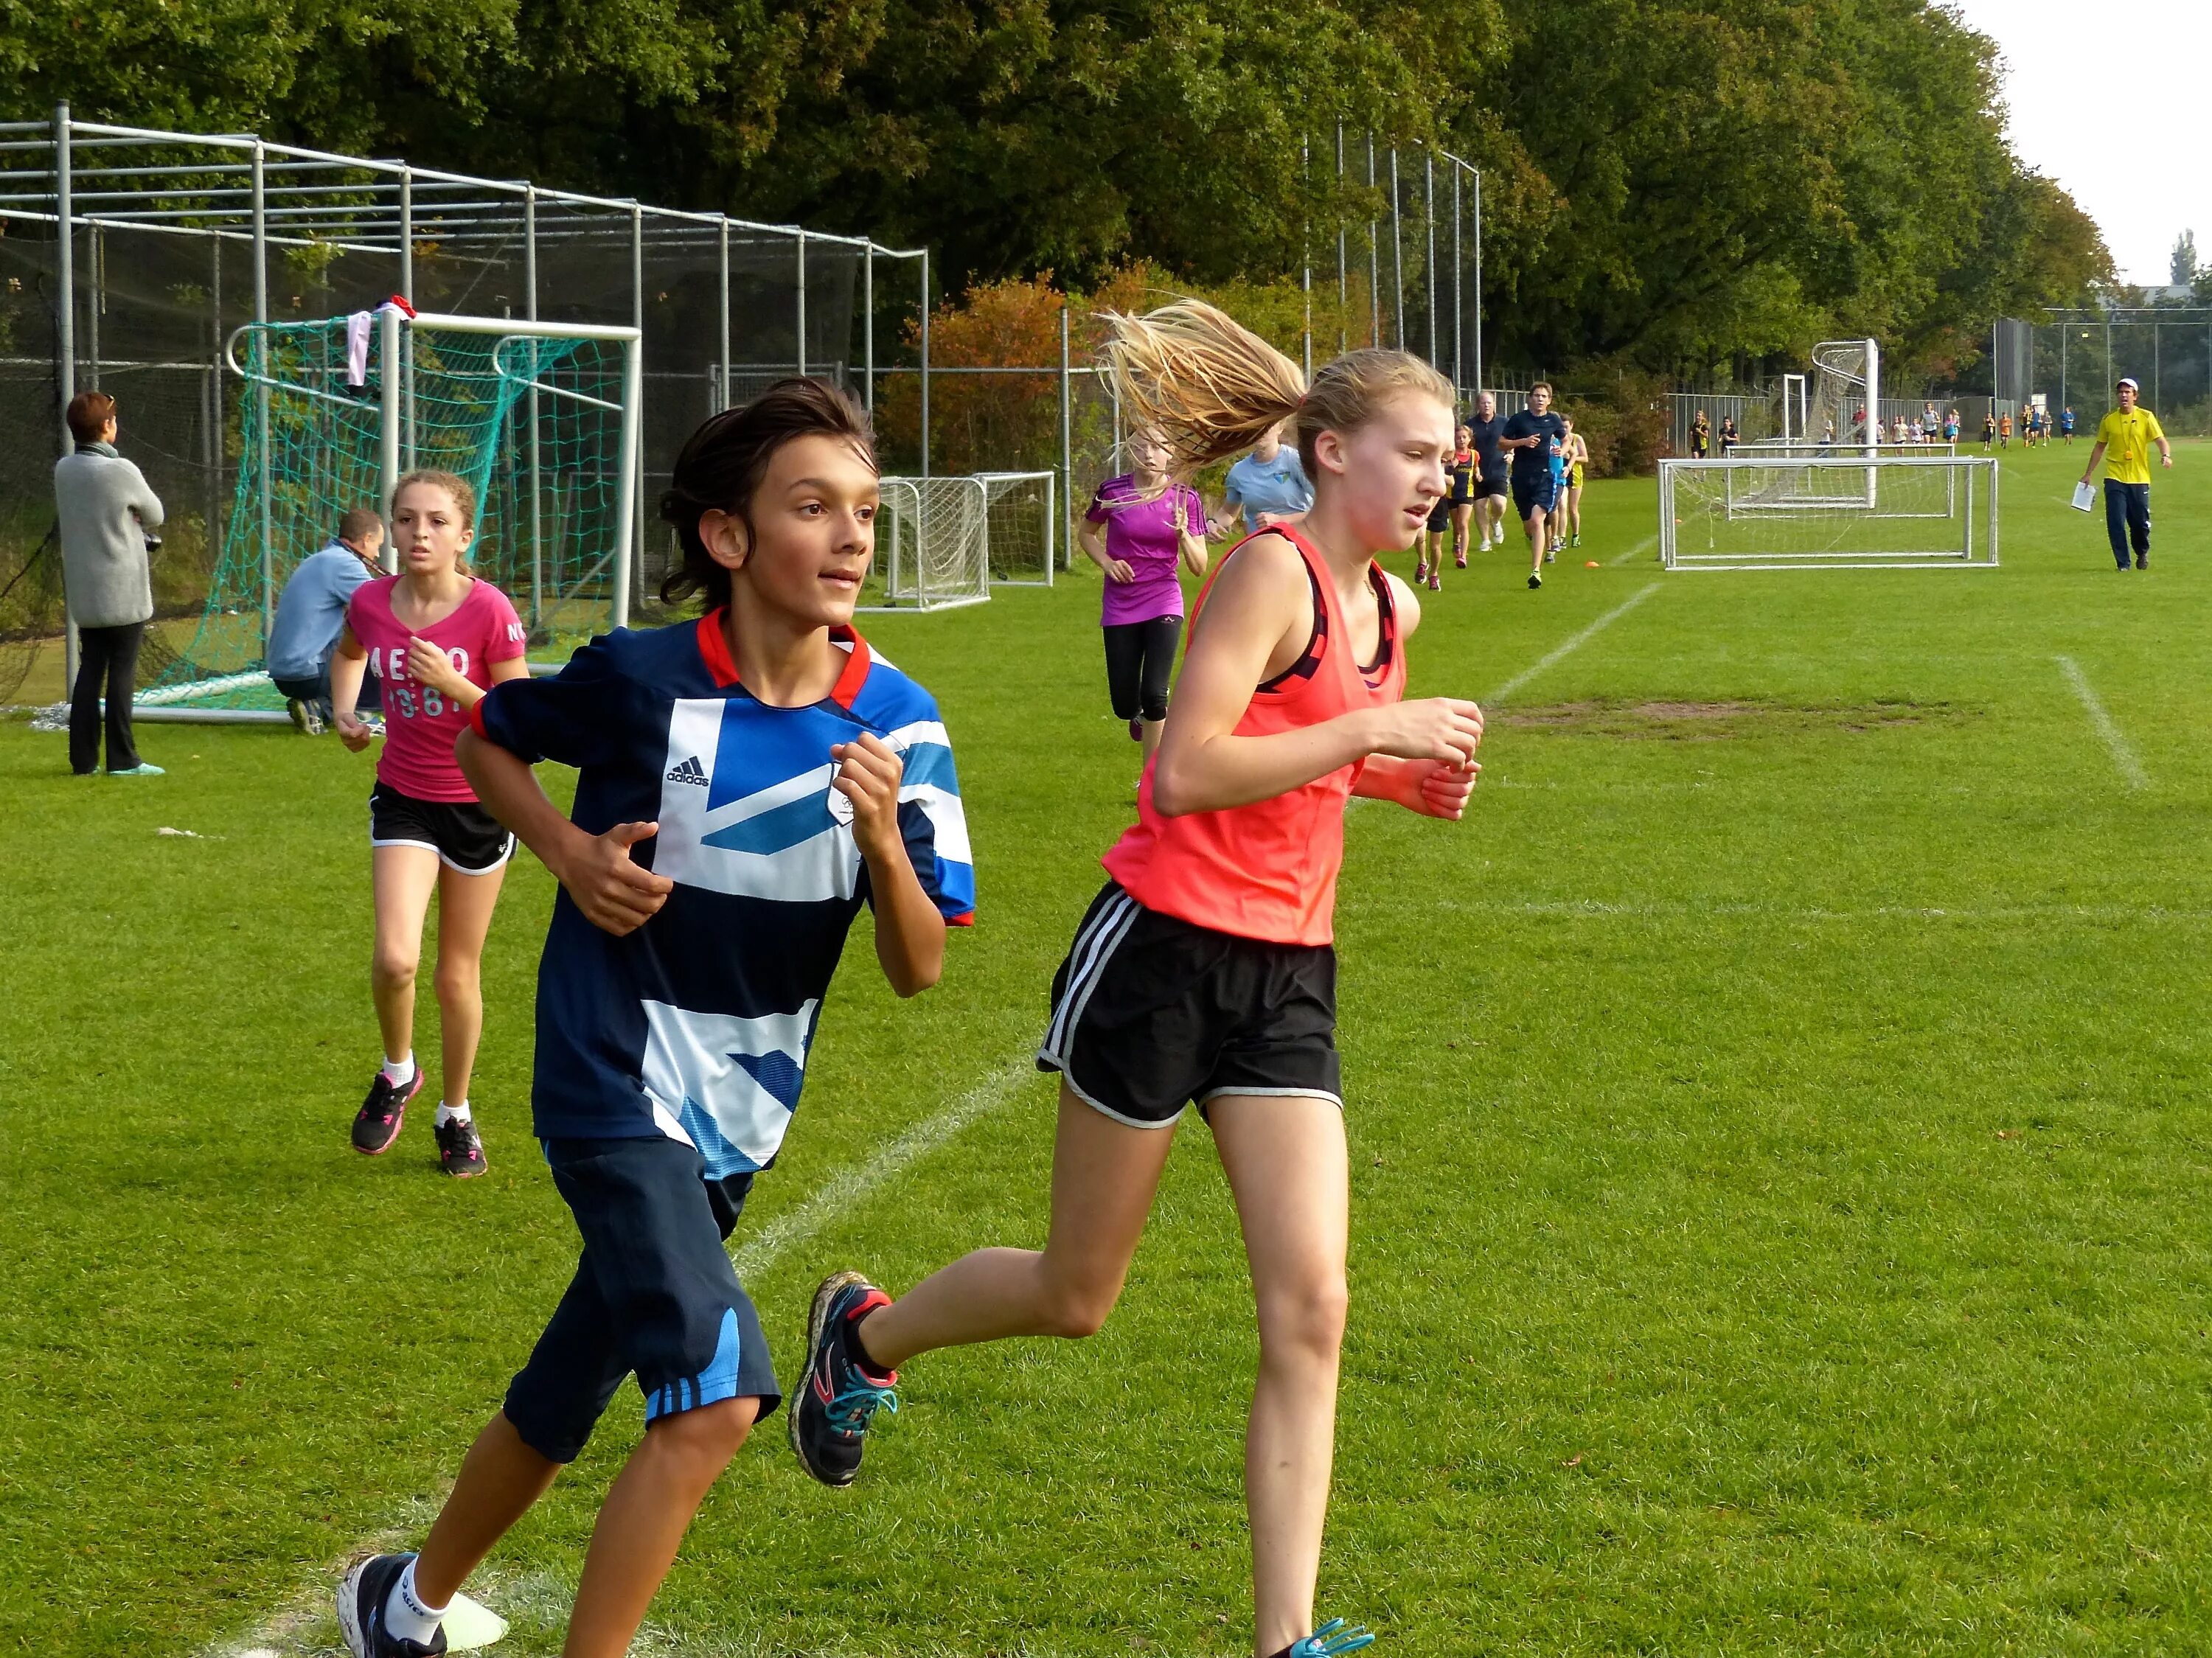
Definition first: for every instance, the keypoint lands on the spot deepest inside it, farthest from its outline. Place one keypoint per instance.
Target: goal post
(1848, 509)
(945, 541)
(542, 419)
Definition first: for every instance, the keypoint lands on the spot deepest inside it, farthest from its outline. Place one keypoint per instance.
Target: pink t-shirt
(420, 725)
(1142, 533)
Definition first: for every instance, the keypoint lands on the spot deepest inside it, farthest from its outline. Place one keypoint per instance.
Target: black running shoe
(839, 1392)
(2142, 561)
(1136, 728)
(362, 1599)
(383, 1112)
(460, 1149)
(304, 716)
(1535, 580)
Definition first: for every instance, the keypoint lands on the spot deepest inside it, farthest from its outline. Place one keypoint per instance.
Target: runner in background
(1490, 487)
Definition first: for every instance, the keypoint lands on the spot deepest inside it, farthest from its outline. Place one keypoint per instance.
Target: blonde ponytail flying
(1212, 388)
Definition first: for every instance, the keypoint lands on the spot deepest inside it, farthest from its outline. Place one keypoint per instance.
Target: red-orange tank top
(1268, 871)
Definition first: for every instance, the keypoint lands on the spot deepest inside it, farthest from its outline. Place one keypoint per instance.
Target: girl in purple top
(1139, 527)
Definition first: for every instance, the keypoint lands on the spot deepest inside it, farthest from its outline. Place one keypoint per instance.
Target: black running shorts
(1151, 1013)
(655, 1295)
(1440, 515)
(463, 833)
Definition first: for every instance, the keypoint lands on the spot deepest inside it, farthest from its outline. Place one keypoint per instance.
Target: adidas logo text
(689, 771)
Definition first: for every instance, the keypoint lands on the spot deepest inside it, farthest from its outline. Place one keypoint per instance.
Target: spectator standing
(107, 514)
(312, 613)
(2128, 433)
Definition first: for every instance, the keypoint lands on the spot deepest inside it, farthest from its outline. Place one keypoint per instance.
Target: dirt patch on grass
(1709, 722)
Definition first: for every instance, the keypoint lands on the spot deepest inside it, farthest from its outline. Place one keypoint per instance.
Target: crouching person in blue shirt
(311, 611)
(748, 780)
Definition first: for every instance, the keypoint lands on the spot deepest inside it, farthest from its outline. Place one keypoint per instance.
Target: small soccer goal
(944, 542)
(540, 418)
(1796, 510)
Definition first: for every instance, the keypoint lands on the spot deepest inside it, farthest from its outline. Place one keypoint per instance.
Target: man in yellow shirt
(2128, 432)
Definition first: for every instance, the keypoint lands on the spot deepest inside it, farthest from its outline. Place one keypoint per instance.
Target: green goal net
(540, 420)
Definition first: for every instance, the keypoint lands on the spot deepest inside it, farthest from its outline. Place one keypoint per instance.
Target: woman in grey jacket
(105, 512)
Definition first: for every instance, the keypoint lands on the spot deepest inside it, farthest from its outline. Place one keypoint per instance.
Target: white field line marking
(1638, 551)
(1559, 652)
(2123, 756)
(1597, 909)
(282, 1634)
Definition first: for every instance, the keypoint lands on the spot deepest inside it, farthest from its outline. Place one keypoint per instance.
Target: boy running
(748, 781)
(1204, 971)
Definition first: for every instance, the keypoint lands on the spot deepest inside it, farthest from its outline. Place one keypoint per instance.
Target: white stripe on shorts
(1088, 955)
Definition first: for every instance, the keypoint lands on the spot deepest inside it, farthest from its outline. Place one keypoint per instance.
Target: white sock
(399, 1072)
(452, 1113)
(405, 1615)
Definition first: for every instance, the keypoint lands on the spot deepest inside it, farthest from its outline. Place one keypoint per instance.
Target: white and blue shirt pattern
(697, 1024)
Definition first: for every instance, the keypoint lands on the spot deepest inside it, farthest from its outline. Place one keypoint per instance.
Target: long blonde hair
(1212, 388)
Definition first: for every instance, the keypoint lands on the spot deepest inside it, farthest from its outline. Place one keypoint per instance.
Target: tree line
(1670, 186)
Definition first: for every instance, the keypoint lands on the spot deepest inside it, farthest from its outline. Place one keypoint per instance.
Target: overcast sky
(2139, 170)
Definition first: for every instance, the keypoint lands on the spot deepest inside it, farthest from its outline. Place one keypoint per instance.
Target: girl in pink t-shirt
(437, 639)
(1150, 524)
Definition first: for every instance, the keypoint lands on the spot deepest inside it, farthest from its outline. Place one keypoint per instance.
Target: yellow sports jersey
(2127, 438)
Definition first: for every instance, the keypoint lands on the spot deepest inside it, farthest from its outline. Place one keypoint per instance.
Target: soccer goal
(944, 542)
(1839, 511)
(1843, 394)
(541, 418)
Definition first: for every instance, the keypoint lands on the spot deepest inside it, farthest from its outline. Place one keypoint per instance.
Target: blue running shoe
(361, 1600)
(840, 1391)
(1331, 1638)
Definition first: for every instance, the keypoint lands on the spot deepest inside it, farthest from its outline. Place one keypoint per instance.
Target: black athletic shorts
(1539, 493)
(1151, 1013)
(1440, 515)
(1492, 481)
(654, 1296)
(463, 833)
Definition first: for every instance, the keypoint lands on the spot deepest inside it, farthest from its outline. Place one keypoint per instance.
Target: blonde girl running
(1205, 971)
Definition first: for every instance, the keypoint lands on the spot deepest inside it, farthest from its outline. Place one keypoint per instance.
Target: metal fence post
(1429, 225)
(635, 373)
(537, 454)
(1397, 255)
(65, 343)
(1343, 286)
(1478, 282)
(868, 324)
(925, 362)
(1459, 291)
(1374, 255)
(1066, 446)
(1305, 250)
(405, 365)
(801, 297)
(261, 384)
(722, 310)
(388, 467)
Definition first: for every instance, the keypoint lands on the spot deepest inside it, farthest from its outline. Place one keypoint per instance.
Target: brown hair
(1545, 386)
(453, 484)
(722, 464)
(88, 413)
(1210, 387)
(358, 522)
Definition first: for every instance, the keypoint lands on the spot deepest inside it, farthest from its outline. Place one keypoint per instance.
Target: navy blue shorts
(1532, 495)
(654, 1296)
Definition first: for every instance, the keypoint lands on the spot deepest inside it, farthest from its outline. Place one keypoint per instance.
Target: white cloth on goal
(357, 327)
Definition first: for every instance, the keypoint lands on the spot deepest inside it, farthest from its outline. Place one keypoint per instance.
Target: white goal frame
(1769, 488)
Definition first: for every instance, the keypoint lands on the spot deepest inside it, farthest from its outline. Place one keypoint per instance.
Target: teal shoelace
(1333, 1638)
(852, 1410)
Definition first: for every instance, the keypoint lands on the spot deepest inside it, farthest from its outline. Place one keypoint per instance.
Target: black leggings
(109, 655)
(1139, 657)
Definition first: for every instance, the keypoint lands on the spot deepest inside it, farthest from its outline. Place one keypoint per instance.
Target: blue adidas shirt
(1259, 486)
(312, 609)
(697, 1024)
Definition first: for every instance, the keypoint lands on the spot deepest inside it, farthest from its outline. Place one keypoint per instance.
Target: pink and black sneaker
(841, 1390)
(383, 1112)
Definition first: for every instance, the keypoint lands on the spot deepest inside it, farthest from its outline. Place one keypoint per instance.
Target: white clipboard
(2085, 498)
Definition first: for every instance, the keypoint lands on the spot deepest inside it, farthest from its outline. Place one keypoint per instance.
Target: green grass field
(1780, 1156)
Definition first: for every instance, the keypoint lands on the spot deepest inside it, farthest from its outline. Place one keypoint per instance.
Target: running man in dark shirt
(1490, 486)
(1534, 435)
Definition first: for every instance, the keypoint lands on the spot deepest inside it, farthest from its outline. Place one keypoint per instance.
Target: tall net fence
(128, 256)
(532, 423)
